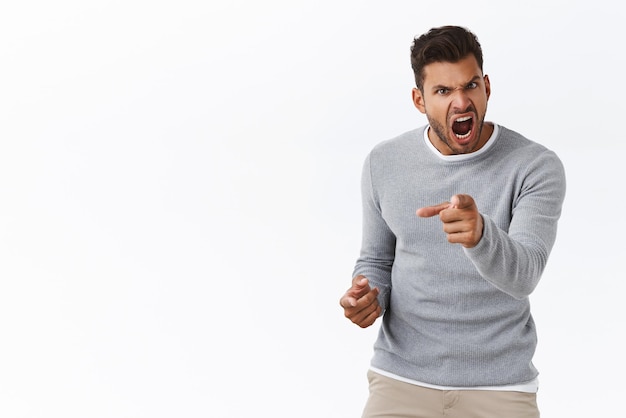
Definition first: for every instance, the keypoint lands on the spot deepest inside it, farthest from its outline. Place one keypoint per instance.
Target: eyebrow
(441, 86)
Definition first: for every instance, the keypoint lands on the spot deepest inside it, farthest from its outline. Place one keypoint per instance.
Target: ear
(418, 100)
(487, 86)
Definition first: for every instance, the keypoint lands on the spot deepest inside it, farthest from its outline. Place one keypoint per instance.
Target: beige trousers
(393, 398)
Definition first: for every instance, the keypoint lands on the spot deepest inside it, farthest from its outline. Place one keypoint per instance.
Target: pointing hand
(460, 217)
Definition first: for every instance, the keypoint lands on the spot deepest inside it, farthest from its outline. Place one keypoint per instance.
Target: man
(452, 280)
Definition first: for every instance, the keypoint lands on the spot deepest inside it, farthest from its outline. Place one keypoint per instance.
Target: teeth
(463, 119)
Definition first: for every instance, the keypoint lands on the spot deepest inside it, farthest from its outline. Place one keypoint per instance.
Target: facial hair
(441, 133)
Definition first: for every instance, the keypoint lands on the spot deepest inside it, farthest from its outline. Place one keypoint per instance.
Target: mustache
(469, 108)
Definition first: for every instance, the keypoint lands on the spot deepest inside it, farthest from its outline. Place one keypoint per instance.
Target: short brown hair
(443, 44)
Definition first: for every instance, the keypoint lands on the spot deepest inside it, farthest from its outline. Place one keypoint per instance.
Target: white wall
(179, 197)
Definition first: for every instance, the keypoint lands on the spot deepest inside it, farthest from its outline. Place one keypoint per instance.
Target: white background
(180, 210)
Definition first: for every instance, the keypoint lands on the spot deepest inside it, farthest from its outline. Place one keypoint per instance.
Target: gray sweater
(455, 316)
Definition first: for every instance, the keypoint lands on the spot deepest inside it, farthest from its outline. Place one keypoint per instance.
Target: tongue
(461, 128)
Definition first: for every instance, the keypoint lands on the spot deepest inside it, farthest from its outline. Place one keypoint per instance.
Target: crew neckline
(462, 157)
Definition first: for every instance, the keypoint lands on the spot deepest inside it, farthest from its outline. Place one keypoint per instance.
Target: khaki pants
(392, 398)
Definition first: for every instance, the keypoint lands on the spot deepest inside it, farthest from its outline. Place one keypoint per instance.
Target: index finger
(428, 211)
(350, 301)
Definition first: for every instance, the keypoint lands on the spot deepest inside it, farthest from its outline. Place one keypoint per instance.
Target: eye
(442, 91)
(472, 85)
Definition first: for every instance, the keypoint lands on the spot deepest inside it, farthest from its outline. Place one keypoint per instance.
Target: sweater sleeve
(378, 241)
(514, 261)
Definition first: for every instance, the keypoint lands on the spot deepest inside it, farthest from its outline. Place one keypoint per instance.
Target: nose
(460, 100)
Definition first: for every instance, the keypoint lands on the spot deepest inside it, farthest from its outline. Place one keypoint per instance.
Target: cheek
(439, 113)
(480, 100)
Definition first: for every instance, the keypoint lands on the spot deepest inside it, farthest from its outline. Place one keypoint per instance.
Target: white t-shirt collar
(462, 157)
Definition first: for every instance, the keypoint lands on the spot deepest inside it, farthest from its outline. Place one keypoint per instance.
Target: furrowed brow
(475, 79)
(440, 86)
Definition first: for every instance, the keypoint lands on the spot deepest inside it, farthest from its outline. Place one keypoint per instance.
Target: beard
(443, 134)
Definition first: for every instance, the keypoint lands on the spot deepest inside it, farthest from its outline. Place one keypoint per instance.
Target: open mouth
(462, 127)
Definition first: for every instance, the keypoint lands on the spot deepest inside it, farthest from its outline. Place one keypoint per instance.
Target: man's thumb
(359, 281)
(461, 201)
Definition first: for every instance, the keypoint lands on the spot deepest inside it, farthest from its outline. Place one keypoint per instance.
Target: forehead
(451, 73)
